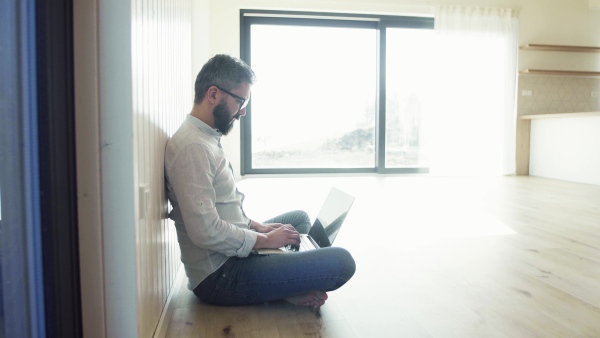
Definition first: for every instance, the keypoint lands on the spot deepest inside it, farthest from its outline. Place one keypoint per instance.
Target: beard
(223, 120)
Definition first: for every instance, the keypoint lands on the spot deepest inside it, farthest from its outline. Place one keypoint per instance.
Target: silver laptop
(325, 227)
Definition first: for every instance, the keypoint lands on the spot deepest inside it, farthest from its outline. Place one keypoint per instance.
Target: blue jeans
(262, 278)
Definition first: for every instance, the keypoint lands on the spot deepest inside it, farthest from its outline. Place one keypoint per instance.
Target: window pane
(314, 103)
(408, 59)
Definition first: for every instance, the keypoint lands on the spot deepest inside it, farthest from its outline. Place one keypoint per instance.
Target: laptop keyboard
(290, 247)
(304, 245)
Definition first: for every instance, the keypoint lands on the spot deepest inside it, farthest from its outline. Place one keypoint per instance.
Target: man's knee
(345, 262)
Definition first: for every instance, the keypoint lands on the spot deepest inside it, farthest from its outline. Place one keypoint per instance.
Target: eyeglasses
(243, 101)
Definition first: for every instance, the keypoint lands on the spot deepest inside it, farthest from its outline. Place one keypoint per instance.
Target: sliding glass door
(320, 105)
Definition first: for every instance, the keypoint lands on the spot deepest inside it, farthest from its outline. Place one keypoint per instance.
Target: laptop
(325, 227)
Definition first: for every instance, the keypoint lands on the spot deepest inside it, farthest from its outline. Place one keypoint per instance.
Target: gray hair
(224, 71)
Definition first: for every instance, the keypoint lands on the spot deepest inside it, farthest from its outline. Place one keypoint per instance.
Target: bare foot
(313, 299)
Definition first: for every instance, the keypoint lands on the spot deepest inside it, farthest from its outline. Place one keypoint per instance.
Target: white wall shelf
(560, 48)
(547, 116)
(558, 72)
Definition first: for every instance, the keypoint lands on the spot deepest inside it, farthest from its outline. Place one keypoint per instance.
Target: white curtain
(471, 124)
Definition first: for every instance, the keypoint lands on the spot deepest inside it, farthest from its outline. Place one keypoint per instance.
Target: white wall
(569, 22)
(200, 39)
(117, 166)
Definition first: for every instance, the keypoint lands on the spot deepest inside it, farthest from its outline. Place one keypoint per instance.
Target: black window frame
(378, 22)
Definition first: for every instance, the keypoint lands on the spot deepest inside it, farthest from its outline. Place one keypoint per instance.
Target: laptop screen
(331, 216)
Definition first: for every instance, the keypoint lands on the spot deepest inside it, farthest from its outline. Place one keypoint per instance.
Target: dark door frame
(57, 162)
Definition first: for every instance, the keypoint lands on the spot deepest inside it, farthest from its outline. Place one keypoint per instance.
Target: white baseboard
(167, 313)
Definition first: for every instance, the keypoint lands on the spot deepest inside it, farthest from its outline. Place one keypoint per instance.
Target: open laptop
(325, 227)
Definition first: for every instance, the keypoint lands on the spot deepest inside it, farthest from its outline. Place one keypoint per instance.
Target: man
(215, 236)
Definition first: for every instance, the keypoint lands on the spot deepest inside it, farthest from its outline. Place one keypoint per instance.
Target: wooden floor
(436, 257)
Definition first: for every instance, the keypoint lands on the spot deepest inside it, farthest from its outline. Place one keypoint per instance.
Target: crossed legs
(299, 278)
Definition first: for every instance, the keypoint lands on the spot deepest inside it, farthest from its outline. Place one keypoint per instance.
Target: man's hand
(265, 228)
(278, 237)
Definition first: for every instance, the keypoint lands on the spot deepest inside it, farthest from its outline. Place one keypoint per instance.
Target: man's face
(224, 117)
(231, 108)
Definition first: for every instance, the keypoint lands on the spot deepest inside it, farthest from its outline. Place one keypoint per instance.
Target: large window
(408, 84)
(321, 104)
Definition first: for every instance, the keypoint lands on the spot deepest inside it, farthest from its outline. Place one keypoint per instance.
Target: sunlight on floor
(416, 213)
(449, 223)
